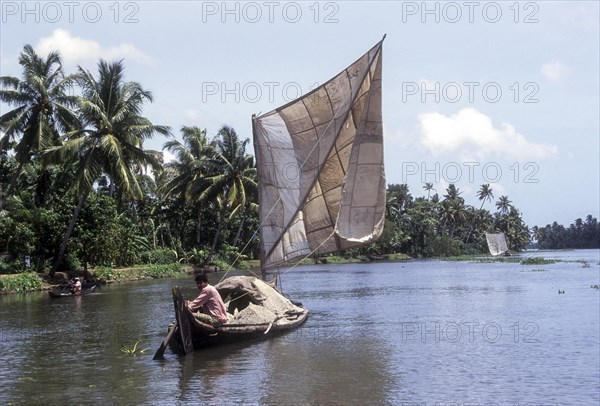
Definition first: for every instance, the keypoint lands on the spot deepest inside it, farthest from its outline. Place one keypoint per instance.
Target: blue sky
(505, 93)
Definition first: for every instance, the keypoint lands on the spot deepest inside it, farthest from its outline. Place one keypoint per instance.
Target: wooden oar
(64, 287)
(161, 350)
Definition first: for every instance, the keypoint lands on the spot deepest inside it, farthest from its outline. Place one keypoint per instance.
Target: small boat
(59, 293)
(256, 310)
(373, 257)
(321, 189)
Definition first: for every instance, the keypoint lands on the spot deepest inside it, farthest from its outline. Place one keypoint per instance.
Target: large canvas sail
(496, 243)
(320, 167)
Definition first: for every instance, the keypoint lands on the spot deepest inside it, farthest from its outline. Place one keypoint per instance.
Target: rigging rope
(351, 97)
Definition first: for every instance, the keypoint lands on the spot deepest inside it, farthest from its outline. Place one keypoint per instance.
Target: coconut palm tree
(428, 187)
(458, 214)
(453, 193)
(186, 176)
(503, 205)
(517, 233)
(233, 177)
(110, 140)
(399, 197)
(452, 209)
(43, 108)
(485, 193)
(251, 206)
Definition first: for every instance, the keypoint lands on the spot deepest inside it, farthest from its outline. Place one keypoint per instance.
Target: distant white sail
(320, 167)
(496, 243)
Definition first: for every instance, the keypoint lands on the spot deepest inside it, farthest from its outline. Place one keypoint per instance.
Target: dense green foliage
(145, 271)
(78, 189)
(430, 226)
(580, 234)
(23, 282)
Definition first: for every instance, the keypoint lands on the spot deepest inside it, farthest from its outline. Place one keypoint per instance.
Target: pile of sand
(253, 314)
(267, 303)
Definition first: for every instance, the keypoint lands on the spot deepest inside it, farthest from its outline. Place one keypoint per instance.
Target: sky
(505, 93)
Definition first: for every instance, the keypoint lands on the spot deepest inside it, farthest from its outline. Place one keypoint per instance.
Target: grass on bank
(31, 281)
(20, 283)
(106, 274)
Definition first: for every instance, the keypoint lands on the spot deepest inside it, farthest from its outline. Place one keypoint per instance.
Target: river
(406, 333)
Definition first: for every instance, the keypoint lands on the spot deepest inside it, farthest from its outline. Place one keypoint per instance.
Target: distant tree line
(447, 226)
(580, 234)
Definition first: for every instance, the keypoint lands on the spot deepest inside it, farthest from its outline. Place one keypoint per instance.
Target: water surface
(415, 332)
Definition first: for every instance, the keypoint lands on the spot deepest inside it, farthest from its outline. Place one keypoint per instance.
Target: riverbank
(32, 281)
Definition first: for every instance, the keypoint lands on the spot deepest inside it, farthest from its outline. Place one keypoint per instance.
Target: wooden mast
(261, 254)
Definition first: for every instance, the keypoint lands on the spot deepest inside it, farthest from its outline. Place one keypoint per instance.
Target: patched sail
(496, 243)
(320, 167)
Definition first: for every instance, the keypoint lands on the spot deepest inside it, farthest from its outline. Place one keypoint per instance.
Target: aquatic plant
(134, 350)
(537, 261)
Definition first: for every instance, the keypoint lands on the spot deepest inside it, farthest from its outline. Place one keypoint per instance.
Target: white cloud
(473, 135)
(555, 71)
(75, 50)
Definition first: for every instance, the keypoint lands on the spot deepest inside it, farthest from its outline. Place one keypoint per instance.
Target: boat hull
(204, 335)
(193, 334)
(58, 295)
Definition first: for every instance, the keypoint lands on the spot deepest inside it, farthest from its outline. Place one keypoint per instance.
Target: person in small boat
(209, 304)
(75, 286)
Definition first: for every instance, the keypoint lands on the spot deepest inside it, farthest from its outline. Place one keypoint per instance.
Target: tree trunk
(40, 262)
(154, 232)
(63, 245)
(239, 231)
(198, 225)
(216, 238)
(11, 186)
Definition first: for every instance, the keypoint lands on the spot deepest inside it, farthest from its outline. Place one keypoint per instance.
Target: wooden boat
(321, 189)
(255, 308)
(373, 257)
(58, 294)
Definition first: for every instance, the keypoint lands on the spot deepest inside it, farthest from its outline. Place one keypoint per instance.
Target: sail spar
(320, 167)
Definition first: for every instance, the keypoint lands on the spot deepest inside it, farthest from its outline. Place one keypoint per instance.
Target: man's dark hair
(201, 277)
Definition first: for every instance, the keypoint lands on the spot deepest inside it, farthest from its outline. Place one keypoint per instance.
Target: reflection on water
(418, 332)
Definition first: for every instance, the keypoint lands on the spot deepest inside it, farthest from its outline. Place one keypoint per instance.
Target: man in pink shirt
(210, 303)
